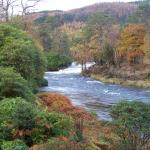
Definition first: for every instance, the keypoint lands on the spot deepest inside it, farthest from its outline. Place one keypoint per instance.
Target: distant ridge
(119, 10)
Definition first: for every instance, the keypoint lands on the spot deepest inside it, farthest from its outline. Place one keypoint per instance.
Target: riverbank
(104, 79)
(90, 133)
(84, 96)
(129, 76)
(91, 94)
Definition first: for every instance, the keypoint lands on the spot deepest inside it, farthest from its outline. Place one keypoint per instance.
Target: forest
(115, 36)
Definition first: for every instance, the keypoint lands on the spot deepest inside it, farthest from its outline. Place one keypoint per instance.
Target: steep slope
(119, 10)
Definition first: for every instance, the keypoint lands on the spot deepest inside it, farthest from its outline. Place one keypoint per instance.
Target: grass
(94, 132)
(138, 83)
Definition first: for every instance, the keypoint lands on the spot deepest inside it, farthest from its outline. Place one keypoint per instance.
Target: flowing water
(90, 94)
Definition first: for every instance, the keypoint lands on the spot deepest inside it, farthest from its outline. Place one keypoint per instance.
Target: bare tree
(1, 10)
(7, 6)
(27, 6)
(24, 7)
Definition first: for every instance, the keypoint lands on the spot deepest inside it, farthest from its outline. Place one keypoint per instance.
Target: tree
(80, 51)
(146, 48)
(90, 45)
(44, 34)
(52, 37)
(142, 15)
(98, 24)
(60, 42)
(56, 61)
(18, 50)
(6, 7)
(108, 54)
(132, 124)
(130, 49)
(13, 85)
(24, 7)
(27, 6)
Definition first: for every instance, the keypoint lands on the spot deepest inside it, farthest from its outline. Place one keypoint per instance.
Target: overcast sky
(70, 4)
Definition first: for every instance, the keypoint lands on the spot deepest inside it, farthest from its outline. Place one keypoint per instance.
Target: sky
(70, 4)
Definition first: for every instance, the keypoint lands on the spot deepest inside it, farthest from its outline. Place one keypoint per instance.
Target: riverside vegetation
(119, 47)
(44, 121)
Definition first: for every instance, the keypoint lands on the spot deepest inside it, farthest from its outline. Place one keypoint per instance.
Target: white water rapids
(90, 94)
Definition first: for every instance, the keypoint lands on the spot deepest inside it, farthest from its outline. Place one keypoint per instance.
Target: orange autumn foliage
(131, 42)
(55, 102)
(59, 103)
(84, 123)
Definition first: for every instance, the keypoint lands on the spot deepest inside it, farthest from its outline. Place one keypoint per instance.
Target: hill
(119, 10)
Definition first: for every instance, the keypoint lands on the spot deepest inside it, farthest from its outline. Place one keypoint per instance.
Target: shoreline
(130, 83)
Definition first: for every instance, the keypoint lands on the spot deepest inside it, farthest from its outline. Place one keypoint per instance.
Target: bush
(18, 50)
(51, 125)
(61, 124)
(7, 108)
(59, 103)
(17, 120)
(14, 145)
(43, 82)
(20, 119)
(57, 61)
(23, 117)
(13, 85)
(55, 102)
(132, 124)
(40, 63)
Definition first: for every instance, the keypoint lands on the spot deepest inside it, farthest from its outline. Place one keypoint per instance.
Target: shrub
(51, 125)
(60, 103)
(57, 61)
(23, 117)
(20, 119)
(13, 85)
(61, 124)
(43, 82)
(132, 124)
(55, 102)
(7, 108)
(61, 144)
(79, 125)
(14, 145)
(40, 63)
(18, 50)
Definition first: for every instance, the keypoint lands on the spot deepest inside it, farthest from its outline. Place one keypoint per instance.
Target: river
(90, 94)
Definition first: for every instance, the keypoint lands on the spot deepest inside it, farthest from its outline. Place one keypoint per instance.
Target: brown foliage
(131, 42)
(60, 103)
(60, 144)
(55, 102)
(87, 131)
